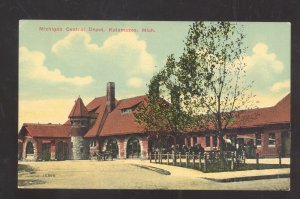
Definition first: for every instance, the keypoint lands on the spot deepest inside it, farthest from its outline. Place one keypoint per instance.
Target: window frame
(215, 140)
(258, 139)
(271, 139)
(207, 140)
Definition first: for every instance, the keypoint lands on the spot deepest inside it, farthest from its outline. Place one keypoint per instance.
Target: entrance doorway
(133, 148)
(29, 155)
(46, 154)
(61, 152)
(285, 143)
(112, 146)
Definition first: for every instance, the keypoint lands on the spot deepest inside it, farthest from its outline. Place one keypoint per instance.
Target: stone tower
(79, 118)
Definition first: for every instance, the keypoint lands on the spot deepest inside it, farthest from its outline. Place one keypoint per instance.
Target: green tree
(163, 114)
(207, 85)
(212, 74)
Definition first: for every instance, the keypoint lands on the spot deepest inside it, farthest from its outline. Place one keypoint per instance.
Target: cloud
(264, 68)
(124, 51)
(32, 66)
(80, 38)
(262, 58)
(280, 86)
(135, 82)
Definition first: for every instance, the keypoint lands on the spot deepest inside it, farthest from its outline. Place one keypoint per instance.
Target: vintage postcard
(154, 105)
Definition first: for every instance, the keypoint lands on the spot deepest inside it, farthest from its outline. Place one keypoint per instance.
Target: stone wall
(80, 148)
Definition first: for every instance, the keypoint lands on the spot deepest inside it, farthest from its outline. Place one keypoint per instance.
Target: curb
(248, 178)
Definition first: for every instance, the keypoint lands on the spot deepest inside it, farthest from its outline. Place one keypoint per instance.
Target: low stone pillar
(180, 162)
(174, 158)
(205, 163)
(232, 161)
(279, 159)
(257, 161)
(193, 159)
(168, 158)
(161, 157)
(187, 159)
(199, 156)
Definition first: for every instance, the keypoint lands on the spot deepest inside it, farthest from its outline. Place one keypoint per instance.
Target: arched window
(112, 146)
(133, 148)
(93, 143)
(29, 148)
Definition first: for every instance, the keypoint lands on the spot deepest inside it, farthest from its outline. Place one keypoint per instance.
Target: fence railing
(199, 161)
(203, 161)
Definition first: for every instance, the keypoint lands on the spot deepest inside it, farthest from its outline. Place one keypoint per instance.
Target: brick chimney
(110, 96)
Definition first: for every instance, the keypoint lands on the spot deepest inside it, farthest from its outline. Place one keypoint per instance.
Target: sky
(62, 60)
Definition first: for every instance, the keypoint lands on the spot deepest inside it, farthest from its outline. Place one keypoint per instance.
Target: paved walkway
(181, 171)
(269, 161)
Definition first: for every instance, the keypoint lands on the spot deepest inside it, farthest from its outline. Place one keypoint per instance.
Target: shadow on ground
(158, 170)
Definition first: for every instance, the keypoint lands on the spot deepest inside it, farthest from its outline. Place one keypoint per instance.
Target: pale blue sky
(56, 67)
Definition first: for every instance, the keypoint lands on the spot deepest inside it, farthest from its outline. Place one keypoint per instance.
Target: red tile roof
(116, 122)
(278, 114)
(47, 130)
(79, 109)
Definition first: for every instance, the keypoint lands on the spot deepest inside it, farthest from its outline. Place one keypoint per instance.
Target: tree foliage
(163, 112)
(207, 85)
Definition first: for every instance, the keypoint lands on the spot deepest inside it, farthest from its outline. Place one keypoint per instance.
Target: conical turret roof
(79, 109)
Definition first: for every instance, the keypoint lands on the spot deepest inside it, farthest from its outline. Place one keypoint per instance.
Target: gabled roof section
(130, 102)
(115, 122)
(278, 114)
(118, 123)
(95, 103)
(79, 109)
(46, 130)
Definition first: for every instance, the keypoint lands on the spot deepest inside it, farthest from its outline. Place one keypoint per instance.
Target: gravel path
(130, 174)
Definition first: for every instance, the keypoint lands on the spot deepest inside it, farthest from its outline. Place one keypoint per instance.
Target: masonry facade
(107, 124)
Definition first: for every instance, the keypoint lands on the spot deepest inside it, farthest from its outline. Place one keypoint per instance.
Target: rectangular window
(194, 141)
(215, 138)
(258, 139)
(207, 140)
(271, 139)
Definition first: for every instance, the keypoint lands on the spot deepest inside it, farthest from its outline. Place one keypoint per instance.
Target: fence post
(279, 159)
(205, 162)
(232, 161)
(168, 158)
(257, 161)
(155, 157)
(150, 157)
(174, 158)
(193, 160)
(199, 155)
(187, 159)
(160, 158)
(180, 162)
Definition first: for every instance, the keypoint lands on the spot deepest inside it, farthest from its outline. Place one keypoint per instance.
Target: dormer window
(83, 123)
(126, 110)
(129, 110)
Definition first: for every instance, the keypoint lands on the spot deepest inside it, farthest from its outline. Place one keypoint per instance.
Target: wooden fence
(204, 161)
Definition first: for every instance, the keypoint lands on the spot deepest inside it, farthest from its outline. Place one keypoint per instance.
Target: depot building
(106, 123)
